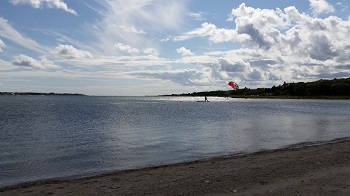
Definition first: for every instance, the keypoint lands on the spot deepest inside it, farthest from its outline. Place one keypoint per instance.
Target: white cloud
(343, 6)
(151, 51)
(5, 65)
(321, 6)
(254, 74)
(253, 26)
(59, 4)
(7, 31)
(262, 26)
(230, 65)
(196, 15)
(132, 29)
(215, 34)
(126, 49)
(137, 23)
(184, 51)
(26, 61)
(185, 77)
(68, 51)
(279, 44)
(2, 45)
(196, 59)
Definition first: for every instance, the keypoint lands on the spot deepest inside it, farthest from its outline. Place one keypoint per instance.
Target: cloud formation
(126, 49)
(58, 4)
(2, 45)
(321, 6)
(215, 34)
(184, 51)
(68, 51)
(26, 61)
(199, 16)
(154, 40)
(132, 29)
(185, 77)
(151, 51)
(279, 45)
(8, 32)
(136, 23)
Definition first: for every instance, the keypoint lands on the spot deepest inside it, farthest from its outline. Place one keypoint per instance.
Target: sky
(156, 47)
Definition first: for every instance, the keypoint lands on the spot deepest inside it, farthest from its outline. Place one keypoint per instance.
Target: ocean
(53, 137)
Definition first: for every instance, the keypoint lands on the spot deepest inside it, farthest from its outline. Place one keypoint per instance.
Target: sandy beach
(313, 170)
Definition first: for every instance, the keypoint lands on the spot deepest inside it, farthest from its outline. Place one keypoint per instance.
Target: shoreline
(311, 169)
(268, 97)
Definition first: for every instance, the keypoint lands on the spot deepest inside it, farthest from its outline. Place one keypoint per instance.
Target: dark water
(44, 137)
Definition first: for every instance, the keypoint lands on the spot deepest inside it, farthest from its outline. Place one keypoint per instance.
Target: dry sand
(315, 170)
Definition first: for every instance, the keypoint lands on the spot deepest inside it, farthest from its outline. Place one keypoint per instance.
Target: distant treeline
(45, 94)
(336, 88)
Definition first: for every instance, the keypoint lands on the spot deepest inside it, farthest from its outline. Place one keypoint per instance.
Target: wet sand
(314, 170)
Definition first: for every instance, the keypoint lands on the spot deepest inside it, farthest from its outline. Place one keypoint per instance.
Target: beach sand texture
(314, 170)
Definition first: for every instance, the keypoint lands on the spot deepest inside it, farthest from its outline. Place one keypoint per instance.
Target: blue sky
(155, 47)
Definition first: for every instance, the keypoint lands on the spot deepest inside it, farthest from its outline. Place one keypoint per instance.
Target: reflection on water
(50, 137)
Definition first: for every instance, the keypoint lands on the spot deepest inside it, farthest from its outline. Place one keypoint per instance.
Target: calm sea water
(45, 137)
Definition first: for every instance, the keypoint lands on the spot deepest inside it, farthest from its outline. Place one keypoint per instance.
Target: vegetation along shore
(321, 89)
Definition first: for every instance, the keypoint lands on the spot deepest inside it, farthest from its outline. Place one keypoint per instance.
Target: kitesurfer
(234, 85)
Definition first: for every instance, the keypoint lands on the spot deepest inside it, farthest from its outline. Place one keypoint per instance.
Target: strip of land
(43, 94)
(313, 170)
